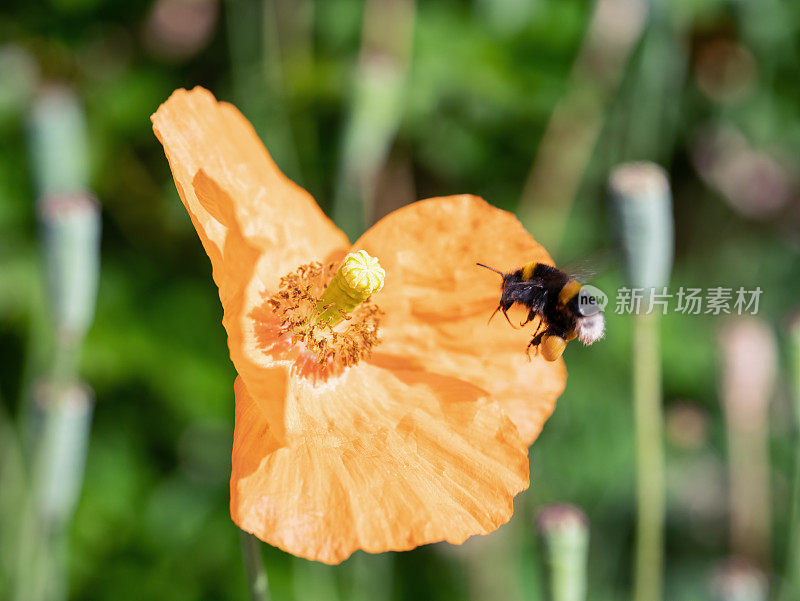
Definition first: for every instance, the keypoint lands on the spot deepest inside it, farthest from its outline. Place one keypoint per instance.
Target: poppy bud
(566, 535)
(71, 227)
(642, 205)
(59, 144)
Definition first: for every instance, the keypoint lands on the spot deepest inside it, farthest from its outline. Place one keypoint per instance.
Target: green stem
(338, 300)
(376, 110)
(257, 581)
(642, 206)
(650, 458)
(65, 363)
(791, 586)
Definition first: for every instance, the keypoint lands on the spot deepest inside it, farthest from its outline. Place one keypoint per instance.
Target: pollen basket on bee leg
(553, 347)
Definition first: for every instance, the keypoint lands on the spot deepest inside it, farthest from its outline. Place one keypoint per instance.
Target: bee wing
(587, 269)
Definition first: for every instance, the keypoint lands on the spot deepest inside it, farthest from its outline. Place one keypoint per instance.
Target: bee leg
(531, 316)
(539, 327)
(535, 342)
(505, 307)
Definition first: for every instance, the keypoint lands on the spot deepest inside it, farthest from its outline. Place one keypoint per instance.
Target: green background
(479, 87)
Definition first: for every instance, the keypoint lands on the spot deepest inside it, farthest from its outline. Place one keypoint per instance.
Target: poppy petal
(437, 302)
(380, 460)
(255, 224)
(272, 213)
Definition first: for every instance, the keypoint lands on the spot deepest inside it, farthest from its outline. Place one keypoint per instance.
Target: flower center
(325, 318)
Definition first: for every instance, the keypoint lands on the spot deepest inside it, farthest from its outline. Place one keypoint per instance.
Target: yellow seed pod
(363, 273)
(359, 276)
(553, 347)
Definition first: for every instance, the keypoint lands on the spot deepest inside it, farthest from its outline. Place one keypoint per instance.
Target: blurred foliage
(484, 79)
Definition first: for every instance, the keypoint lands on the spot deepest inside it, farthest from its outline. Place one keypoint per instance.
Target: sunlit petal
(438, 302)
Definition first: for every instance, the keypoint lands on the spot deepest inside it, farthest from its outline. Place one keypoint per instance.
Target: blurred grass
(153, 521)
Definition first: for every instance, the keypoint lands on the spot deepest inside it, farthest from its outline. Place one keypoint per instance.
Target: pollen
(322, 316)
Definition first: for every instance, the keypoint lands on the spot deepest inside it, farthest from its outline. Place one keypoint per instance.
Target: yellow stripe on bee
(568, 292)
(527, 270)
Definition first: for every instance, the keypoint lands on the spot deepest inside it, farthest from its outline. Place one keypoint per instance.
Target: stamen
(322, 318)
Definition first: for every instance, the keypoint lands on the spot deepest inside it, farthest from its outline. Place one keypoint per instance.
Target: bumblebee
(565, 310)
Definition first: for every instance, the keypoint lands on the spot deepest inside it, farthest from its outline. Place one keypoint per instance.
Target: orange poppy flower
(409, 423)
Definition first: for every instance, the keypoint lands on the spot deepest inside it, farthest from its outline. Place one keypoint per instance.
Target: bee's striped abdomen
(569, 292)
